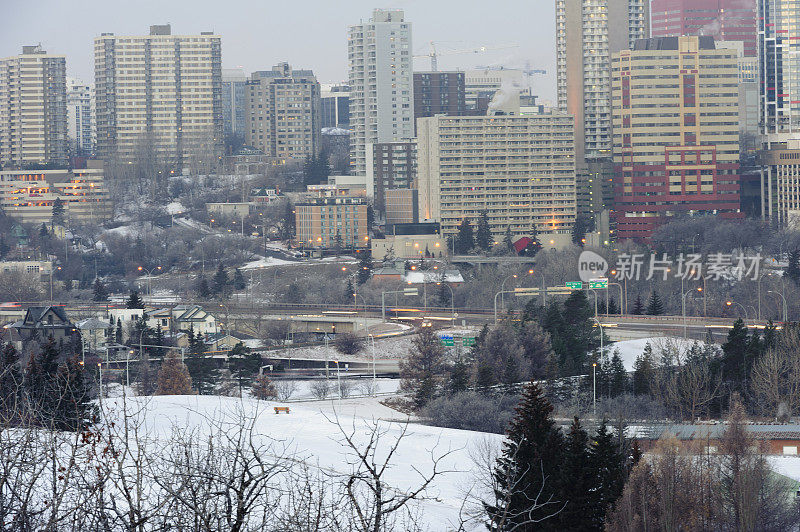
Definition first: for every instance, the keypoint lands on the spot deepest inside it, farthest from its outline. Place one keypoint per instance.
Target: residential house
(193, 317)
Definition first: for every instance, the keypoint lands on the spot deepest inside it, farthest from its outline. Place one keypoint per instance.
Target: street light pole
(374, 378)
(495, 302)
(502, 287)
(783, 300)
(594, 388)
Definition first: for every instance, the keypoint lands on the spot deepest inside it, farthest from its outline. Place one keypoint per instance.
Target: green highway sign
(598, 283)
(468, 341)
(574, 285)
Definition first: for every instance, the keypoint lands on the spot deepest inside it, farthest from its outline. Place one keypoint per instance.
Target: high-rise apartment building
(335, 106)
(159, 91)
(33, 109)
(81, 129)
(676, 132)
(779, 108)
(332, 222)
(283, 112)
(481, 85)
(233, 101)
(725, 20)
(381, 83)
(438, 93)
(520, 170)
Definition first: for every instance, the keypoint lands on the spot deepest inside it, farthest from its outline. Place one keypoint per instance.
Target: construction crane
(531, 71)
(434, 54)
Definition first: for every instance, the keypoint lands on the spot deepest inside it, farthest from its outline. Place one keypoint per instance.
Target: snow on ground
(393, 347)
(312, 434)
(302, 389)
(175, 208)
(134, 230)
(267, 262)
(629, 350)
(788, 466)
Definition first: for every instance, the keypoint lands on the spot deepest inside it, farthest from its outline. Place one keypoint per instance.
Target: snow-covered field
(788, 466)
(312, 434)
(629, 350)
(394, 347)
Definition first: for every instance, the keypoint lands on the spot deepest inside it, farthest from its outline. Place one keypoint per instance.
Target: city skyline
(269, 33)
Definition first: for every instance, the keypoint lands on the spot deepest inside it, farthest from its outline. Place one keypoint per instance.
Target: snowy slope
(629, 350)
(311, 431)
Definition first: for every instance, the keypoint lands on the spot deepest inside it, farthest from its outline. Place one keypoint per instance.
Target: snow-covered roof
(419, 277)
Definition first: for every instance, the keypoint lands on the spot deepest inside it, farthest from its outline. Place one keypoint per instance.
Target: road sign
(574, 285)
(447, 340)
(468, 341)
(599, 284)
(525, 291)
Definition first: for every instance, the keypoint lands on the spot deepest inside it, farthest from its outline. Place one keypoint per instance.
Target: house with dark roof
(40, 323)
(193, 317)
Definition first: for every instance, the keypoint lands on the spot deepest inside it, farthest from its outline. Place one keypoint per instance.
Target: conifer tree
(40, 381)
(655, 307)
(118, 332)
(365, 267)
(73, 410)
(423, 369)
(458, 380)
(349, 290)
(243, 365)
(174, 378)
(465, 239)
(643, 371)
(638, 307)
(793, 268)
(99, 291)
(483, 233)
(239, 282)
(508, 239)
(577, 481)
(58, 212)
(610, 465)
(527, 472)
(202, 368)
(736, 361)
(612, 306)
(220, 282)
(134, 301)
(10, 383)
(619, 376)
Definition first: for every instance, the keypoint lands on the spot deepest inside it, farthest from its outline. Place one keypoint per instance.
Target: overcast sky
(306, 33)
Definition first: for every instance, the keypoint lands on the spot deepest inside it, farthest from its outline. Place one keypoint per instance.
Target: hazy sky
(306, 33)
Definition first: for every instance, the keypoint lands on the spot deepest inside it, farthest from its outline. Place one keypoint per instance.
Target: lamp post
(683, 307)
(594, 388)
(502, 287)
(783, 300)
(729, 303)
(406, 291)
(620, 297)
(149, 274)
(495, 301)
(355, 303)
(338, 381)
(374, 378)
(452, 301)
(592, 290)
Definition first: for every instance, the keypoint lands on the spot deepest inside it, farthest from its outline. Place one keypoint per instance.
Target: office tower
(81, 130)
(332, 222)
(725, 20)
(159, 93)
(779, 109)
(676, 132)
(283, 112)
(335, 106)
(233, 101)
(381, 84)
(481, 85)
(28, 195)
(389, 165)
(520, 170)
(33, 109)
(439, 93)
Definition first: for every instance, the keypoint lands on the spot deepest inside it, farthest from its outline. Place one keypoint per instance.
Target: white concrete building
(33, 109)
(81, 127)
(381, 83)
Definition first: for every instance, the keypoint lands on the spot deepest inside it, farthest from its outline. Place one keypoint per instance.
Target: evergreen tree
(619, 376)
(174, 379)
(365, 267)
(643, 371)
(349, 290)
(579, 229)
(443, 294)
(735, 361)
(612, 306)
(134, 301)
(243, 365)
(40, 381)
(638, 307)
(459, 377)
(483, 233)
(610, 465)
(792, 271)
(99, 291)
(424, 367)
(528, 469)
(577, 481)
(74, 409)
(202, 288)
(43, 232)
(288, 224)
(220, 282)
(118, 332)
(654, 305)
(508, 239)
(203, 369)
(465, 239)
(58, 212)
(263, 388)
(239, 282)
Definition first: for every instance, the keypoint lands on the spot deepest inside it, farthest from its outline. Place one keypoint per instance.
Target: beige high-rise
(33, 109)
(159, 92)
(282, 112)
(519, 169)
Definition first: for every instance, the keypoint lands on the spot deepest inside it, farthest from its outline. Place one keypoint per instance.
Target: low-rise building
(29, 195)
(42, 323)
(332, 222)
(233, 210)
(410, 241)
(193, 317)
(42, 268)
